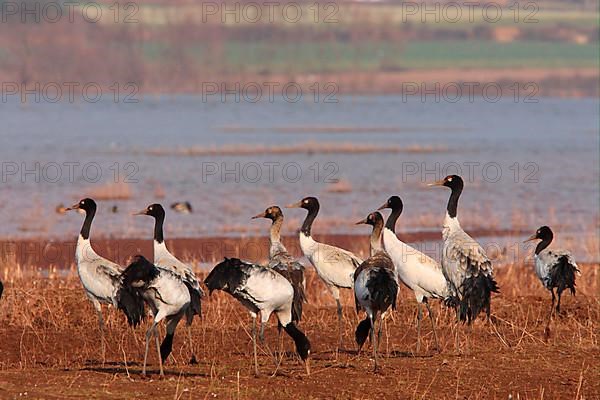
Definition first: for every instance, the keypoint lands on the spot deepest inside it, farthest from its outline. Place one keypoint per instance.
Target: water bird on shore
(260, 290)
(281, 261)
(555, 268)
(334, 266)
(164, 259)
(465, 264)
(167, 296)
(375, 286)
(102, 279)
(183, 207)
(114, 209)
(420, 273)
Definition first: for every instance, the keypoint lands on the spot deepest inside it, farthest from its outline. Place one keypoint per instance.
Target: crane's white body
(462, 256)
(100, 277)
(546, 260)
(165, 260)
(334, 266)
(417, 271)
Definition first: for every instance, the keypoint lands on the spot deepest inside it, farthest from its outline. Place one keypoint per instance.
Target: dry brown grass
(48, 335)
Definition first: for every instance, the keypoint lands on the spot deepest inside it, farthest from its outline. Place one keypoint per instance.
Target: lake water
(525, 164)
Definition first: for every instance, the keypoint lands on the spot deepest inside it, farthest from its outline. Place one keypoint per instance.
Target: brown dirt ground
(49, 348)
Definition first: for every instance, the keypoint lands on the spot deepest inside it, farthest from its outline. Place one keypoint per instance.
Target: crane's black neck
(543, 244)
(300, 339)
(393, 217)
(453, 201)
(158, 228)
(310, 218)
(87, 223)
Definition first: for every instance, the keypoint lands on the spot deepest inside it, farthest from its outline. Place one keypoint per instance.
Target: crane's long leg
(261, 334)
(547, 328)
(381, 317)
(254, 344)
(437, 343)
(373, 339)
(98, 309)
(336, 295)
(559, 293)
(193, 360)
(419, 317)
(457, 339)
(160, 362)
(149, 332)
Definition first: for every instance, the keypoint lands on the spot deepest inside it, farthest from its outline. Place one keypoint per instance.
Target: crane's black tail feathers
(476, 295)
(139, 273)
(562, 276)
(383, 288)
(228, 275)
(195, 307)
(131, 302)
(1, 289)
(362, 332)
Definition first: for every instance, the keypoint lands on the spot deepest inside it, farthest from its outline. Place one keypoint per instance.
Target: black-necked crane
(102, 279)
(167, 296)
(375, 286)
(420, 273)
(555, 268)
(281, 261)
(465, 264)
(334, 266)
(164, 259)
(260, 290)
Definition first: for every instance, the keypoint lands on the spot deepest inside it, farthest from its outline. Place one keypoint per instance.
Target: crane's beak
(437, 183)
(295, 205)
(261, 215)
(73, 207)
(307, 363)
(383, 207)
(362, 221)
(530, 238)
(142, 212)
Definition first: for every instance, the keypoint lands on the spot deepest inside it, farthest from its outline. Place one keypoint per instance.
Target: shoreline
(59, 253)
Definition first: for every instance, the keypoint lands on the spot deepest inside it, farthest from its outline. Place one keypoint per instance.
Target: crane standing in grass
(420, 273)
(281, 261)
(164, 259)
(555, 268)
(167, 296)
(260, 290)
(102, 279)
(375, 286)
(465, 264)
(335, 266)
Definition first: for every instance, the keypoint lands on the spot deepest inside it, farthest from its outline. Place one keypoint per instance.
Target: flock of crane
(464, 280)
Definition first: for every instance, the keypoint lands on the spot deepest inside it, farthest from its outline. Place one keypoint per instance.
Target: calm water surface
(530, 164)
